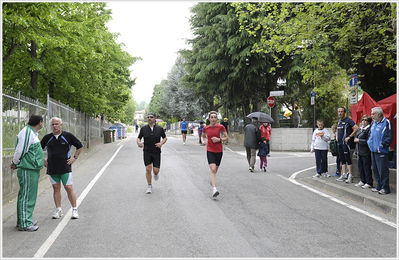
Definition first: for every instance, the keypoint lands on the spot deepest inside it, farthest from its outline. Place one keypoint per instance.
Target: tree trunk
(51, 89)
(34, 73)
(276, 123)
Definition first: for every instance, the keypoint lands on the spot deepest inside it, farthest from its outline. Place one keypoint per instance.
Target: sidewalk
(383, 203)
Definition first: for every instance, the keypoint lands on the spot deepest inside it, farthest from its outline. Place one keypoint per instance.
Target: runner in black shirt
(59, 164)
(152, 144)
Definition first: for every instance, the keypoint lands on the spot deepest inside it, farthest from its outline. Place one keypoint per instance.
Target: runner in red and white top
(214, 150)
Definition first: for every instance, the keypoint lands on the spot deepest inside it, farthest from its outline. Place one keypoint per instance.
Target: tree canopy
(362, 37)
(65, 50)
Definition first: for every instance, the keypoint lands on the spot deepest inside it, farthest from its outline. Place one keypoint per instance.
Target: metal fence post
(19, 110)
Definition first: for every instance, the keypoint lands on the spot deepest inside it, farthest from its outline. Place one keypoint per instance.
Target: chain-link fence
(17, 110)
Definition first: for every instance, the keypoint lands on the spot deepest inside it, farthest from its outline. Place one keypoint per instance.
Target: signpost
(277, 93)
(353, 97)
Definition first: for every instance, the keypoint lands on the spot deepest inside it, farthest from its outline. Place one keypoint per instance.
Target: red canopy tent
(366, 103)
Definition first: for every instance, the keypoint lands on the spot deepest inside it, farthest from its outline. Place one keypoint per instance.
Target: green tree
(65, 50)
(362, 37)
(221, 66)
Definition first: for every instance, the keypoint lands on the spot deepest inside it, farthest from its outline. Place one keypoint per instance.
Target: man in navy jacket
(381, 137)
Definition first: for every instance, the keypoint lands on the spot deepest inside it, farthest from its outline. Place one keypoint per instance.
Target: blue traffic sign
(312, 93)
(353, 80)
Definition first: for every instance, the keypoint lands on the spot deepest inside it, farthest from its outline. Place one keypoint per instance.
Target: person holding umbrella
(251, 140)
(253, 135)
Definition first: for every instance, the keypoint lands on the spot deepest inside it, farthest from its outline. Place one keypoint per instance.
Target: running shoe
(75, 214)
(156, 176)
(215, 193)
(342, 178)
(317, 175)
(149, 189)
(359, 184)
(29, 229)
(34, 223)
(349, 180)
(251, 169)
(58, 213)
(366, 186)
(336, 174)
(326, 175)
(382, 192)
(374, 190)
(264, 169)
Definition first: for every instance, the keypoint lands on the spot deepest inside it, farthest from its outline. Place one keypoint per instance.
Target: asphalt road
(260, 215)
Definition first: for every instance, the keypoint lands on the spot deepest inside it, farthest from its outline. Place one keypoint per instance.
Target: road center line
(57, 231)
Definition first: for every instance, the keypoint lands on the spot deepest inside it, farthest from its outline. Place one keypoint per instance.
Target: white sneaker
(149, 189)
(317, 175)
(58, 213)
(342, 178)
(366, 186)
(349, 180)
(156, 176)
(184, 143)
(326, 175)
(359, 184)
(75, 214)
(215, 193)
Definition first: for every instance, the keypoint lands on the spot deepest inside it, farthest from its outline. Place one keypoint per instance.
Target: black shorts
(184, 132)
(215, 158)
(154, 158)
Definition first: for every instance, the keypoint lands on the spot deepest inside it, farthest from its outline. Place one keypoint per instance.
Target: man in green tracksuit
(28, 160)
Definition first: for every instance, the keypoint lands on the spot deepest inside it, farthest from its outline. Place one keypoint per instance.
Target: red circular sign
(271, 101)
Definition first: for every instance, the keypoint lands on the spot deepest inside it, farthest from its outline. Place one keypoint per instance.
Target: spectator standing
(225, 123)
(252, 138)
(296, 117)
(266, 132)
(263, 151)
(28, 160)
(381, 137)
(346, 129)
(59, 164)
(319, 146)
(214, 149)
(200, 128)
(338, 162)
(364, 154)
(184, 129)
(152, 134)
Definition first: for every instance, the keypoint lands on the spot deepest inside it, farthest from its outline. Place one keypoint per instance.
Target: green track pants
(27, 195)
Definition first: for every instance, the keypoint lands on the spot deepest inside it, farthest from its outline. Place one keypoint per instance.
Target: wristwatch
(75, 157)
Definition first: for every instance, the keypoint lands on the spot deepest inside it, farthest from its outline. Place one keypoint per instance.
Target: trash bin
(113, 135)
(107, 136)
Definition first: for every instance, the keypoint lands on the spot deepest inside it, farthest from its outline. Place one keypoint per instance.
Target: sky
(154, 31)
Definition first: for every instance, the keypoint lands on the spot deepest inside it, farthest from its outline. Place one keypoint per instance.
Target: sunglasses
(150, 117)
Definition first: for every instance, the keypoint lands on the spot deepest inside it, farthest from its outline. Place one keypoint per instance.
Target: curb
(370, 201)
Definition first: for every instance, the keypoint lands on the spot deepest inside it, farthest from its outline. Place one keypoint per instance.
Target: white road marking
(292, 179)
(57, 231)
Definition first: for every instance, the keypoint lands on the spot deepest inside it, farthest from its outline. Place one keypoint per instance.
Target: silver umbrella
(262, 117)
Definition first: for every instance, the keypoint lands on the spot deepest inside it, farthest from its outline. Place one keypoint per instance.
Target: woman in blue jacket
(364, 154)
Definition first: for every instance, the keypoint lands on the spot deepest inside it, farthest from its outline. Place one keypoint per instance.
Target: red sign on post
(271, 101)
